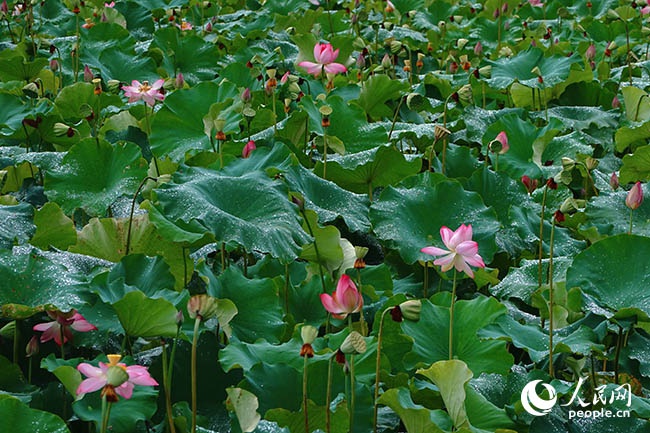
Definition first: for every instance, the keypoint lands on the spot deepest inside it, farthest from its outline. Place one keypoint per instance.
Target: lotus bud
(385, 62)
(478, 48)
(179, 83)
(465, 93)
(634, 196)
(61, 129)
(613, 181)
(179, 314)
(354, 344)
(202, 306)
(88, 74)
(460, 43)
(530, 184)
(32, 347)
(440, 132)
(54, 65)
(590, 54)
(409, 310)
(248, 149)
(616, 103)
(298, 200)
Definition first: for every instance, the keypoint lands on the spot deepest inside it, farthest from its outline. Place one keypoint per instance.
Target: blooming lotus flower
(346, 299)
(634, 197)
(62, 325)
(462, 253)
(324, 55)
(248, 149)
(114, 378)
(109, 5)
(144, 91)
(536, 3)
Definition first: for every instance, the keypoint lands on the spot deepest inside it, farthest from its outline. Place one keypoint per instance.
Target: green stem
(629, 232)
(444, 140)
(223, 256)
(106, 413)
(146, 119)
(550, 304)
(425, 283)
(62, 343)
(16, 349)
(451, 318)
(619, 345)
(320, 268)
(351, 392)
(168, 400)
(135, 196)
(496, 162)
(392, 125)
(328, 394)
(325, 153)
(304, 394)
(377, 368)
(541, 240)
(197, 323)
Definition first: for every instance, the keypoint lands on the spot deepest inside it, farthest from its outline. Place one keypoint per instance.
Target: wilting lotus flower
(462, 253)
(114, 378)
(500, 143)
(324, 55)
(345, 300)
(144, 91)
(634, 196)
(61, 326)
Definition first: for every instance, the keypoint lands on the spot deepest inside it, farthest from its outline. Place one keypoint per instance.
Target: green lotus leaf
(637, 104)
(295, 421)
(632, 135)
(178, 126)
(252, 210)
(111, 50)
(416, 418)
(329, 200)
(636, 167)
(124, 415)
(145, 317)
(638, 343)
(188, 54)
(519, 68)
(409, 219)
(15, 67)
(363, 171)
(583, 118)
(53, 228)
(94, 175)
(17, 417)
(576, 338)
(451, 376)
(73, 102)
(376, 92)
(327, 241)
(469, 316)
(610, 216)
(17, 226)
(31, 283)
(523, 281)
(105, 238)
(347, 122)
(258, 305)
(13, 112)
(611, 272)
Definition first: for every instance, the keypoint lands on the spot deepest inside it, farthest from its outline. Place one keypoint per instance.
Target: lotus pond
(330, 215)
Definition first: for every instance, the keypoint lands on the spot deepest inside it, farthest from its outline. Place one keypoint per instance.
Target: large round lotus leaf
(431, 336)
(178, 126)
(145, 317)
(376, 92)
(12, 114)
(554, 70)
(17, 417)
(16, 224)
(189, 54)
(416, 418)
(615, 272)
(110, 50)
(53, 228)
(31, 283)
(610, 216)
(73, 101)
(93, 175)
(252, 210)
(409, 219)
(363, 171)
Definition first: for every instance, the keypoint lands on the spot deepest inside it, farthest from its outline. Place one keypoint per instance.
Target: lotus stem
(304, 394)
(392, 125)
(197, 323)
(135, 196)
(328, 394)
(378, 367)
(166, 383)
(451, 318)
(16, 349)
(325, 153)
(550, 304)
(320, 267)
(62, 341)
(541, 240)
(106, 413)
(351, 392)
(629, 232)
(444, 140)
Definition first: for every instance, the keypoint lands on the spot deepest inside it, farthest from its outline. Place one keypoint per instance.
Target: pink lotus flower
(61, 326)
(645, 10)
(114, 378)
(248, 149)
(324, 55)
(462, 253)
(634, 197)
(345, 300)
(502, 146)
(109, 5)
(536, 3)
(145, 91)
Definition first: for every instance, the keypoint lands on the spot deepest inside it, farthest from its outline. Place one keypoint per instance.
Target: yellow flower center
(144, 87)
(113, 360)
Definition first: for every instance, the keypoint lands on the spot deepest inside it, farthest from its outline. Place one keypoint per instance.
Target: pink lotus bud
(615, 102)
(634, 196)
(3, 7)
(504, 8)
(88, 74)
(613, 181)
(361, 61)
(54, 65)
(478, 48)
(530, 184)
(32, 347)
(590, 54)
(284, 78)
(180, 81)
(246, 95)
(248, 149)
